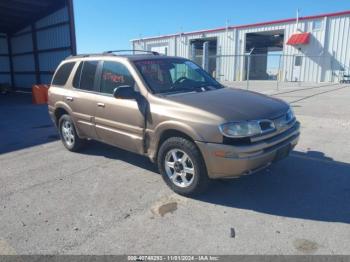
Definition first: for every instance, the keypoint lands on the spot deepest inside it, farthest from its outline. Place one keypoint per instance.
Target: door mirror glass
(124, 92)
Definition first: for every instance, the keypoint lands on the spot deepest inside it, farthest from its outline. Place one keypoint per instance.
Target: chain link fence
(281, 70)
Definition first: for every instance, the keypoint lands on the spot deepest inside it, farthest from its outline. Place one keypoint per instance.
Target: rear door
(82, 98)
(118, 121)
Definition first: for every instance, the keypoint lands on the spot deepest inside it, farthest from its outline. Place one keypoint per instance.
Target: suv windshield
(175, 75)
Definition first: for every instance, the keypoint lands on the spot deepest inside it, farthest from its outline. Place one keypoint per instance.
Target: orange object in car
(40, 94)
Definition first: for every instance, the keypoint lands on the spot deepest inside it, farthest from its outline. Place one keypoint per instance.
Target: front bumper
(225, 161)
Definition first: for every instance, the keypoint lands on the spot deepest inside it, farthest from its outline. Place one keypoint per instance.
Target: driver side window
(113, 75)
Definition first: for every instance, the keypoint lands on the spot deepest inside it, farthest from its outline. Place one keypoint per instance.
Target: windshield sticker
(149, 62)
(192, 65)
(113, 77)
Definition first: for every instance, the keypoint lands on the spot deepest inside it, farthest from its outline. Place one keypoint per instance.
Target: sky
(110, 24)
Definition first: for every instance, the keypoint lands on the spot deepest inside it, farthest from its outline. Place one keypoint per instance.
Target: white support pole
(193, 51)
(278, 71)
(248, 69)
(205, 61)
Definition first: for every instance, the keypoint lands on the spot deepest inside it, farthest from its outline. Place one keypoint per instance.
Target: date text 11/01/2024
(173, 258)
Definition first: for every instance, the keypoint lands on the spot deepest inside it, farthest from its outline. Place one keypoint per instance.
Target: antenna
(297, 20)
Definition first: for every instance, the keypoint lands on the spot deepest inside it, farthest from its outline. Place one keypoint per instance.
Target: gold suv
(172, 111)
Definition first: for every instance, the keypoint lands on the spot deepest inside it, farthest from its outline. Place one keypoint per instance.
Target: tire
(188, 158)
(68, 134)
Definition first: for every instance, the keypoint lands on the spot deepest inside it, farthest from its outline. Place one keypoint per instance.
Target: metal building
(35, 36)
(312, 49)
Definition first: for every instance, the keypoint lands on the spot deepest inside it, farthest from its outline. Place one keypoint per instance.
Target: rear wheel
(68, 134)
(182, 167)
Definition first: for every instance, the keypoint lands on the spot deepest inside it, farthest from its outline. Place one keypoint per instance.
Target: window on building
(115, 74)
(298, 61)
(62, 74)
(87, 78)
(317, 25)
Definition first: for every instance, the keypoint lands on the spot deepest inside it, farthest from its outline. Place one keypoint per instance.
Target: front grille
(266, 126)
(244, 141)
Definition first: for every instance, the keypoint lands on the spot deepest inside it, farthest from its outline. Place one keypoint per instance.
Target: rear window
(62, 74)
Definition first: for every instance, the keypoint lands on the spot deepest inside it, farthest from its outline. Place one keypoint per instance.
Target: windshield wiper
(209, 85)
(174, 91)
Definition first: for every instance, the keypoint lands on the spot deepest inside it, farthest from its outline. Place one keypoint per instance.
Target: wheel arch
(59, 112)
(173, 132)
(61, 108)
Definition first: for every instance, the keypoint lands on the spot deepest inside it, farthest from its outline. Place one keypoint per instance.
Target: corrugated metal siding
(22, 43)
(5, 78)
(24, 80)
(326, 54)
(54, 37)
(3, 45)
(23, 63)
(339, 43)
(4, 64)
(24, 30)
(48, 61)
(45, 78)
(226, 50)
(55, 18)
(4, 61)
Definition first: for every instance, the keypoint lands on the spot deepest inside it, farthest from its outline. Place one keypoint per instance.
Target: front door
(118, 121)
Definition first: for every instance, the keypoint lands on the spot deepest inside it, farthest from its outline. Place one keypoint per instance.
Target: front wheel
(182, 167)
(68, 134)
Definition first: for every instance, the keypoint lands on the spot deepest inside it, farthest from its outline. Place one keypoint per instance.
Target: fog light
(221, 153)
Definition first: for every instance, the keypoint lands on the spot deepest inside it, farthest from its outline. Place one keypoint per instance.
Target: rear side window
(62, 74)
(85, 75)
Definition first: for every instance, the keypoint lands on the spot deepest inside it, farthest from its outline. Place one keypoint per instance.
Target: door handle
(100, 104)
(69, 98)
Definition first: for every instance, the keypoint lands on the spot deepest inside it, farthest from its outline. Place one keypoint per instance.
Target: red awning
(299, 39)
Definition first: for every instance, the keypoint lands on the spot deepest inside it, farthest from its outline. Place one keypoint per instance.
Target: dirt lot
(108, 201)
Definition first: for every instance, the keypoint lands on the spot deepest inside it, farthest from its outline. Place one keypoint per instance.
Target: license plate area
(282, 152)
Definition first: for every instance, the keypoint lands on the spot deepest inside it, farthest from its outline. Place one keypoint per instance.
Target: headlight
(241, 129)
(290, 115)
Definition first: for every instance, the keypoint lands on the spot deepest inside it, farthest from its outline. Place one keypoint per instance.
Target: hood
(233, 104)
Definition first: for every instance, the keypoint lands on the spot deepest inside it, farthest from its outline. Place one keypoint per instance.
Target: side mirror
(124, 92)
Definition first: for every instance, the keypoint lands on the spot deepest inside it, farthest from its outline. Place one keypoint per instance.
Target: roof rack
(131, 50)
(82, 55)
(111, 53)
